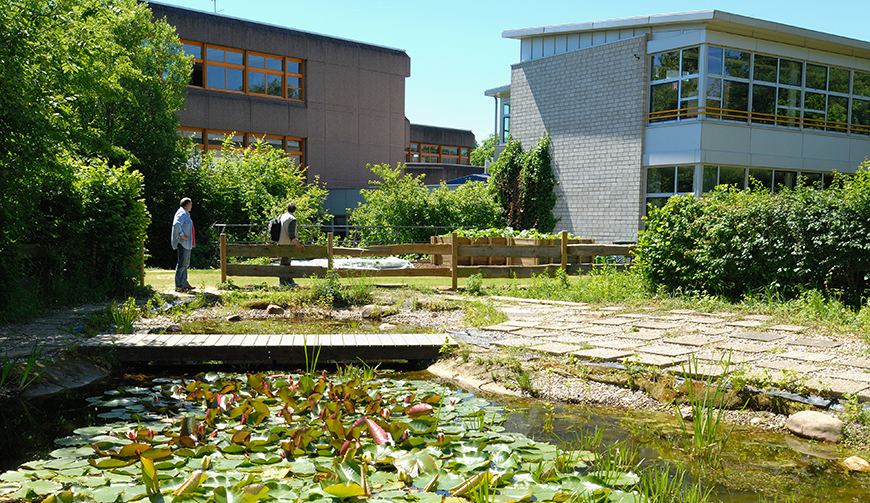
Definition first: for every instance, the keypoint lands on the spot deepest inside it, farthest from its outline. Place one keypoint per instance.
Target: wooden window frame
(246, 69)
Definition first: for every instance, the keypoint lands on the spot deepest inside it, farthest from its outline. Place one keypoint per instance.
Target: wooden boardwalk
(271, 349)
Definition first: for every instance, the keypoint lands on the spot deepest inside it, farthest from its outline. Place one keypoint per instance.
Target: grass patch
(483, 313)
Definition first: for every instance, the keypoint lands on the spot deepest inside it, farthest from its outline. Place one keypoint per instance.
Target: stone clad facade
(596, 134)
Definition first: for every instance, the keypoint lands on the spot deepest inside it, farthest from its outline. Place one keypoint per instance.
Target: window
(208, 139)
(248, 72)
(675, 81)
(766, 90)
(760, 178)
(438, 154)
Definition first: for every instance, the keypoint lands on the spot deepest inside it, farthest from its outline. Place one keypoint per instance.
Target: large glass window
(213, 140)
(443, 154)
(674, 91)
(236, 70)
(769, 90)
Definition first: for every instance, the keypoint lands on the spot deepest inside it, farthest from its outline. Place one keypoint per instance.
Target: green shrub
(735, 243)
(401, 209)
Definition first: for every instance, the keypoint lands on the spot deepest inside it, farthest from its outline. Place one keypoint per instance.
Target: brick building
(640, 109)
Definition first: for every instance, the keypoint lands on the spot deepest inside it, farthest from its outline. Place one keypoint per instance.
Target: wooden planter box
(446, 260)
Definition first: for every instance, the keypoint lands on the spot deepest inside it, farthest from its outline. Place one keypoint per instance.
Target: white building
(640, 109)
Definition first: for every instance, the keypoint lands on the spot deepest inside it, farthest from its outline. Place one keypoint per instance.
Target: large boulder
(815, 425)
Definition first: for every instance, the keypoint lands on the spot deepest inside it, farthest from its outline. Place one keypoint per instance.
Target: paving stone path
(54, 332)
(758, 347)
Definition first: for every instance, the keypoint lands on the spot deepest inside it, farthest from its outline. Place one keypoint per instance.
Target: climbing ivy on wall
(523, 185)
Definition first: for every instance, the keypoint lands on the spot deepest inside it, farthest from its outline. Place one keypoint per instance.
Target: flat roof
(303, 33)
(717, 20)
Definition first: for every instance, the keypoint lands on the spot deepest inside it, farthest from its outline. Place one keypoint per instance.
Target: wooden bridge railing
(561, 250)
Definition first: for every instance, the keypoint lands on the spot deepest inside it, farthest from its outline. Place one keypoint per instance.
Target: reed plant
(124, 315)
(706, 437)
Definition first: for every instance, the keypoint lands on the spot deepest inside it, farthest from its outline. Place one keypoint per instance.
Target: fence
(568, 255)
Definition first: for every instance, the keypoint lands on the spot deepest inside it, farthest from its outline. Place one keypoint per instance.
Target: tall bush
(523, 184)
(401, 209)
(248, 186)
(732, 242)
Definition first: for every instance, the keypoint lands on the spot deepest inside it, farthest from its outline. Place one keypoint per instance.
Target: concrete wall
(354, 108)
(592, 102)
(442, 136)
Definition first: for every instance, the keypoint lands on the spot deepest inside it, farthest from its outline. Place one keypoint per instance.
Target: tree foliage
(82, 83)
(401, 209)
(732, 242)
(250, 186)
(485, 151)
(523, 183)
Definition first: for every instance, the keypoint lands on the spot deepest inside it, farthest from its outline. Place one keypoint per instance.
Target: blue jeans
(181, 267)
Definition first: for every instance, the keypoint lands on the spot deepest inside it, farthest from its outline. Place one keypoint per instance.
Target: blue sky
(456, 47)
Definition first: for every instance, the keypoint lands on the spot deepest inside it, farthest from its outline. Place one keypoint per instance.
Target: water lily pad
(344, 491)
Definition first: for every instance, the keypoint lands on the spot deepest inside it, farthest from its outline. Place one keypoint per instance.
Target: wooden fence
(545, 257)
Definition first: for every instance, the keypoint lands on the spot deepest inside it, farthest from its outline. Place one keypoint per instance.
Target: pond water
(755, 466)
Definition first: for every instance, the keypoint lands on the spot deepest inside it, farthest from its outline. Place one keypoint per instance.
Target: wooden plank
(600, 249)
(389, 273)
(393, 249)
(542, 251)
(258, 270)
(275, 250)
(274, 340)
(262, 340)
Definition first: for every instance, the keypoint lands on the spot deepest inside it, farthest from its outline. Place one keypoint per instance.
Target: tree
(80, 81)
(523, 184)
(485, 151)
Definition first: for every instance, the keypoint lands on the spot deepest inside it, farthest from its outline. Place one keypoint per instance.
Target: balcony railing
(711, 113)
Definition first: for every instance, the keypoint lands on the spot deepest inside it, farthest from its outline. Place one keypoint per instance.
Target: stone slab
(705, 320)
(665, 349)
(532, 332)
(555, 348)
(654, 360)
(743, 347)
(757, 336)
(518, 314)
(672, 317)
(633, 316)
(683, 311)
(849, 375)
(816, 343)
(806, 356)
(555, 327)
(612, 321)
(602, 330)
(641, 335)
(693, 340)
(788, 328)
(836, 387)
(716, 355)
(572, 339)
(758, 317)
(707, 330)
(699, 371)
(602, 354)
(655, 325)
(522, 323)
(743, 323)
(617, 344)
(501, 327)
(803, 368)
(518, 342)
(863, 363)
(613, 308)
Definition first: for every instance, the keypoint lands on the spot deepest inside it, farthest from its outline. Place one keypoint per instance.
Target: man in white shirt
(289, 235)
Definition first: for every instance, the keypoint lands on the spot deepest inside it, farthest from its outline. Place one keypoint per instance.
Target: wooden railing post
(328, 251)
(565, 251)
(142, 281)
(223, 246)
(454, 261)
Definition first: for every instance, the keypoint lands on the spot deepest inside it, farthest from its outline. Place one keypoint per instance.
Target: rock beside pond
(815, 425)
(235, 317)
(386, 326)
(274, 309)
(856, 464)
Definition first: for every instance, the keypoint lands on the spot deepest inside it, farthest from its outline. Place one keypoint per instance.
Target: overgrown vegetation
(89, 94)
(401, 209)
(523, 183)
(734, 243)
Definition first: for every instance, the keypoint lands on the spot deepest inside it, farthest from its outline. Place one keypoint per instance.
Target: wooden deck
(274, 349)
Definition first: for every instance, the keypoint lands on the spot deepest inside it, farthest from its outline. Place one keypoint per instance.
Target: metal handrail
(758, 117)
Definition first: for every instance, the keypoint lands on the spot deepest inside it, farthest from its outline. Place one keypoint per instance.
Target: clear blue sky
(456, 47)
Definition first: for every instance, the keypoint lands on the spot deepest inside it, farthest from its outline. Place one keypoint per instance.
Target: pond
(755, 466)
